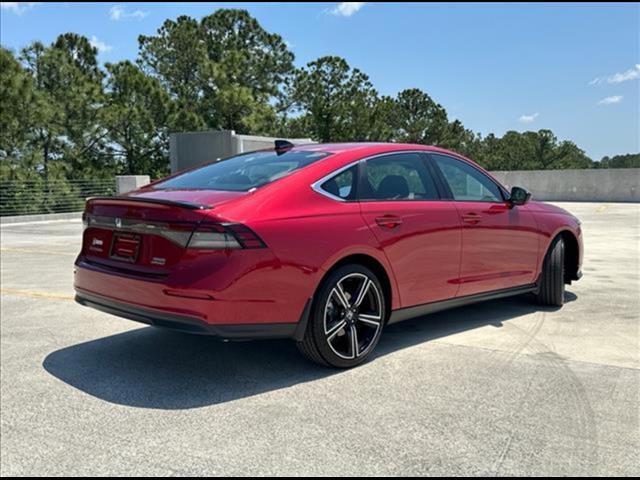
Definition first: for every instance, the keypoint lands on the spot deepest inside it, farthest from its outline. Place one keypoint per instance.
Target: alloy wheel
(353, 316)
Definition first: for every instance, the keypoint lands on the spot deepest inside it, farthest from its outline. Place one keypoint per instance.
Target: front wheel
(347, 318)
(551, 288)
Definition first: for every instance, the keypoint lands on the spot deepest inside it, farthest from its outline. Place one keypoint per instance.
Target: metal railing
(28, 197)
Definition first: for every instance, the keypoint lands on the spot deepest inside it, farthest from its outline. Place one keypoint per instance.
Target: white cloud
(118, 12)
(610, 100)
(346, 9)
(99, 45)
(528, 118)
(18, 7)
(631, 74)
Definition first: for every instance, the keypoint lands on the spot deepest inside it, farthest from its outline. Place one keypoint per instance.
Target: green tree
(136, 115)
(630, 160)
(80, 52)
(336, 102)
(380, 119)
(224, 72)
(45, 137)
(531, 151)
(20, 181)
(418, 119)
(514, 151)
(248, 69)
(19, 112)
(177, 57)
(545, 148)
(570, 156)
(457, 137)
(69, 86)
(31, 145)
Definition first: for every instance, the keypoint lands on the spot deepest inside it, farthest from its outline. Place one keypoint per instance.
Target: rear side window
(398, 177)
(466, 182)
(343, 185)
(243, 172)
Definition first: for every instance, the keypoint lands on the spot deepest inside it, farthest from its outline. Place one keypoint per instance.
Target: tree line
(64, 116)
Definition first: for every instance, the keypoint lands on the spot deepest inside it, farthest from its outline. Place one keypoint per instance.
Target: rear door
(419, 233)
(499, 242)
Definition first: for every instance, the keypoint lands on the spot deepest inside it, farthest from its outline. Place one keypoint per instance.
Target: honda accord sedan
(322, 244)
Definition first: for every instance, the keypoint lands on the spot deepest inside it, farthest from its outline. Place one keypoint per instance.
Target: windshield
(243, 172)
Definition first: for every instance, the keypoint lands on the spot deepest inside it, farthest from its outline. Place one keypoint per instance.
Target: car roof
(378, 147)
(364, 149)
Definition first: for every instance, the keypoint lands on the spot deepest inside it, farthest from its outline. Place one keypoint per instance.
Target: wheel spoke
(342, 298)
(335, 330)
(363, 292)
(354, 342)
(373, 320)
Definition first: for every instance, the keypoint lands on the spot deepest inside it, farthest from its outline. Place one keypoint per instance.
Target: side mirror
(519, 196)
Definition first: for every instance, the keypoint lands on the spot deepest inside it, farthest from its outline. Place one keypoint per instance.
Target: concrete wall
(191, 149)
(606, 185)
(45, 217)
(127, 183)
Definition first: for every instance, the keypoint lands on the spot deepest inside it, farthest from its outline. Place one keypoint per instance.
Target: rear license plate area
(125, 247)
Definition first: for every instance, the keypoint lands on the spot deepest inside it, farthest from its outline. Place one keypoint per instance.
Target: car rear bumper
(253, 309)
(185, 323)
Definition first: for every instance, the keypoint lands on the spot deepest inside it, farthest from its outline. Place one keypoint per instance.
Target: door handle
(389, 221)
(471, 217)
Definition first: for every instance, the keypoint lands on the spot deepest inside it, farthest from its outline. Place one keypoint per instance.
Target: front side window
(243, 172)
(343, 185)
(466, 182)
(401, 176)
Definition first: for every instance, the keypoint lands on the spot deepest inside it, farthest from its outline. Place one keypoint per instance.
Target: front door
(499, 241)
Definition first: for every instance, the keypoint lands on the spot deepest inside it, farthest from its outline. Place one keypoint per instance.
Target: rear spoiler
(283, 146)
(159, 201)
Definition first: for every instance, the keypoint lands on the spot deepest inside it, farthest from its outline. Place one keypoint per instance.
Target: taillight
(207, 236)
(216, 236)
(177, 233)
(246, 236)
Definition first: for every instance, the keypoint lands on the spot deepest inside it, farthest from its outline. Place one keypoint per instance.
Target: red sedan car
(324, 244)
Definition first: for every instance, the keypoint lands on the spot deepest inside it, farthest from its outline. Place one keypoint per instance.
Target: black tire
(335, 316)
(551, 288)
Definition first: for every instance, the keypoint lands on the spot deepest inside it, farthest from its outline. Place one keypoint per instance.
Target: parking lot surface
(499, 388)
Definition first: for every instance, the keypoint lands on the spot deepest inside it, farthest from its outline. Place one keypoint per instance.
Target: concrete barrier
(127, 183)
(44, 217)
(191, 149)
(605, 185)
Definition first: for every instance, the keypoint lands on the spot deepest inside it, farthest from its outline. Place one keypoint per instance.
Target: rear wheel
(346, 319)
(551, 289)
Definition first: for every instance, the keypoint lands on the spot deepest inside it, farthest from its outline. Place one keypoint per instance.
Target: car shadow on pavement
(154, 368)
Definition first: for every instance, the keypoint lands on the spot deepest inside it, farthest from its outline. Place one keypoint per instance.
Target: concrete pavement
(500, 388)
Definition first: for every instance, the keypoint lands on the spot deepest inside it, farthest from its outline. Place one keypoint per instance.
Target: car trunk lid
(147, 232)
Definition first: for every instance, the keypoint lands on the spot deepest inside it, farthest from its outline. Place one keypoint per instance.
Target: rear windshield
(243, 172)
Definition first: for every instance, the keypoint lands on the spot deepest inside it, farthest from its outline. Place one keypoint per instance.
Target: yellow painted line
(35, 250)
(602, 208)
(31, 293)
